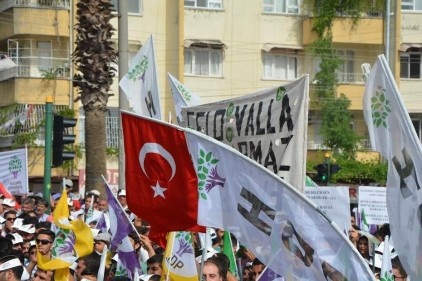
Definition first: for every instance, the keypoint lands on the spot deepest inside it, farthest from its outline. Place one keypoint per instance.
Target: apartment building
(218, 48)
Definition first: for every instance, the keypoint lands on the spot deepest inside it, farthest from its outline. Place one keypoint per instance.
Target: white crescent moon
(152, 147)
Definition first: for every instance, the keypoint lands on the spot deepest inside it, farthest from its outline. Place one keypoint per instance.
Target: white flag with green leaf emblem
(182, 97)
(393, 135)
(140, 83)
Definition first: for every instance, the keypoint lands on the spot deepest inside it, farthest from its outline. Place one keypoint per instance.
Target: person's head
(45, 239)
(27, 205)
(42, 225)
(363, 246)
(10, 268)
(6, 246)
(257, 268)
(154, 264)
(247, 273)
(398, 270)
(8, 204)
(103, 205)
(100, 241)
(10, 217)
(121, 196)
(41, 206)
(25, 248)
(43, 275)
(354, 234)
(352, 219)
(214, 269)
(92, 259)
(135, 240)
(383, 231)
(90, 272)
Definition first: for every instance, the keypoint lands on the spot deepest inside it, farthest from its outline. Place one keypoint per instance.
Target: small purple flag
(101, 224)
(269, 275)
(120, 227)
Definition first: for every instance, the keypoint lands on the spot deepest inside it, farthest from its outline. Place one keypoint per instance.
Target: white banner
(14, 171)
(372, 199)
(269, 127)
(393, 135)
(333, 201)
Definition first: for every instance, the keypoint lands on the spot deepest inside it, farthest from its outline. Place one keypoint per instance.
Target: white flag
(140, 83)
(269, 127)
(386, 267)
(182, 97)
(393, 135)
(267, 215)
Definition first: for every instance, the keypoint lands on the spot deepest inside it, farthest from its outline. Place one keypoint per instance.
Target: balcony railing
(7, 4)
(350, 78)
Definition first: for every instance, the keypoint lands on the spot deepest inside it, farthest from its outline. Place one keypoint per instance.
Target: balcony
(8, 4)
(369, 30)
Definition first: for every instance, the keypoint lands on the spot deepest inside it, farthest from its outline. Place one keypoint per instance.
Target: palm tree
(93, 58)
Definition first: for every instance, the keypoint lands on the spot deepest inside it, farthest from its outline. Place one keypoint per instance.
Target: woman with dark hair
(215, 269)
(363, 247)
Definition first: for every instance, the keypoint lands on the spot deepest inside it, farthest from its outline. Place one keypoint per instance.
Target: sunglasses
(10, 219)
(32, 253)
(43, 241)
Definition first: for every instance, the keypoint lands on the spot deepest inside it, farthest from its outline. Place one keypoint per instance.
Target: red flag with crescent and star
(161, 183)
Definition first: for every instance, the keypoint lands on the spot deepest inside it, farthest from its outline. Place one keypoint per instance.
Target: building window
(133, 6)
(410, 65)
(346, 72)
(206, 4)
(281, 6)
(203, 61)
(279, 66)
(411, 5)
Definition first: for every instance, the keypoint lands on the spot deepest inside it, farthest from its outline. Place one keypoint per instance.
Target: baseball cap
(9, 202)
(15, 262)
(68, 183)
(103, 237)
(122, 192)
(94, 192)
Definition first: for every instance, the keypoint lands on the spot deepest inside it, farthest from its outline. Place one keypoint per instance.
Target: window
(203, 61)
(346, 71)
(279, 66)
(44, 55)
(133, 6)
(410, 65)
(206, 4)
(411, 5)
(281, 6)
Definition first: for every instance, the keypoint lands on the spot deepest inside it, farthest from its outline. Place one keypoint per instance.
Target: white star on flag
(158, 190)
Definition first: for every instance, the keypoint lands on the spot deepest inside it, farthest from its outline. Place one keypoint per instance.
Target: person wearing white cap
(10, 217)
(11, 269)
(121, 195)
(8, 204)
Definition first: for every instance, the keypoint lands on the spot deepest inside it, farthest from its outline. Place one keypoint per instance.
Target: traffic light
(61, 137)
(322, 172)
(334, 168)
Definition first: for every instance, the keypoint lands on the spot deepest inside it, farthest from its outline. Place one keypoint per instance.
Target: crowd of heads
(371, 247)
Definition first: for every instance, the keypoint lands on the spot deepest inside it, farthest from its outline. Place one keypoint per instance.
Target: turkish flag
(161, 183)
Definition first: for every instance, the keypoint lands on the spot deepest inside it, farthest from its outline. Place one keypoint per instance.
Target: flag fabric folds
(160, 177)
(393, 135)
(267, 215)
(269, 275)
(120, 227)
(182, 97)
(179, 258)
(269, 127)
(140, 83)
(73, 239)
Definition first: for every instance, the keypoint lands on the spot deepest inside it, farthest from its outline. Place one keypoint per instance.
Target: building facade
(218, 49)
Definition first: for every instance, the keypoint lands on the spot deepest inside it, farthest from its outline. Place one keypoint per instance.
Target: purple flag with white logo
(120, 227)
(269, 275)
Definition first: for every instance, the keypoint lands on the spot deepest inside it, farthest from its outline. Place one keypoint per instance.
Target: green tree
(93, 57)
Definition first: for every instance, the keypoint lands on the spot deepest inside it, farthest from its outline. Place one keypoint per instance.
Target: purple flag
(269, 275)
(101, 224)
(120, 227)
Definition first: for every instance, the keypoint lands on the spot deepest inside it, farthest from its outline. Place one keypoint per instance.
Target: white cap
(379, 252)
(94, 191)
(15, 263)
(122, 192)
(145, 277)
(28, 228)
(17, 238)
(68, 183)
(9, 202)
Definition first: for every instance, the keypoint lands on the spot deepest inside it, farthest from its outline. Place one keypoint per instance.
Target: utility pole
(123, 68)
(48, 148)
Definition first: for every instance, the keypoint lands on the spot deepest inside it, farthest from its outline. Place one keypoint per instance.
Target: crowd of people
(28, 234)
(371, 247)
